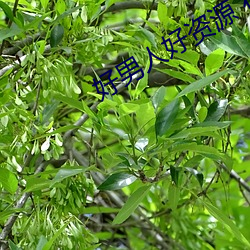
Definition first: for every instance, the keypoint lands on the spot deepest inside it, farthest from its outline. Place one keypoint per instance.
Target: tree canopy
(124, 124)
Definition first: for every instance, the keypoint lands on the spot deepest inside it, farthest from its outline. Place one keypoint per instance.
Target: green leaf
(9, 32)
(9, 211)
(173, 196)
(117, 181)
(227, 223)
(13, 246)
(174, 172)
(188, 105)
(49, 110)
(162, 12)
(189, 68)
(214, 61)
(204, 150)
(236, 32)
(166, 117)
(219, 125)
(19, 20)
(56, 131)
(194, 161)
(49, 244)
(56, 35)
(177, 74)
(70, 101)
(44, 3)
(128, 108)
(142, 83)
(198, 175)
(66, 172)
(202, 114)
(216, 110)
(198, 85)
(98, 210)
(227, 43)
(68, 12)
(8, 180)
(35, 184)
(36, 21)
(142, 34)
(158, 97)
(193, 132)
(108, 3)
(7, 10)
(244, 45)
(189, 56)
(41, 243)
(132, 203)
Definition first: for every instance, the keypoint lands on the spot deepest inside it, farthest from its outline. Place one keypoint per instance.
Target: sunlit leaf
(214, 61)
(128, 108)
(67, 172)
(8, 180)
(44, 3)
(162, 12)
(216, 110)
(228, 43)
(202, 114)
(117, 181)
(158, 97)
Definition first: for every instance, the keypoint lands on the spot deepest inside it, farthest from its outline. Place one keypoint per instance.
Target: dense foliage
(162, 164)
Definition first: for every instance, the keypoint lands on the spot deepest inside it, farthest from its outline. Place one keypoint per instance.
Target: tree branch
(21, 44)
(160, 239)
(236, 177)
(16, 63)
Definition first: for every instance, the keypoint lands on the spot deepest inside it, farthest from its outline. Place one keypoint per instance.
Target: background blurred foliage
(163, 164)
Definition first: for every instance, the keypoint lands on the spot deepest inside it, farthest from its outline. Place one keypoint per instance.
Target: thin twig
(235, 176)
(37, 97)
(148, 14)
(204, 192)
(244, 195)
